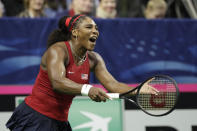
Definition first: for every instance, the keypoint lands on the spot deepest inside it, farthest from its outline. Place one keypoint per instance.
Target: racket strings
(150, 102)
(164, 100)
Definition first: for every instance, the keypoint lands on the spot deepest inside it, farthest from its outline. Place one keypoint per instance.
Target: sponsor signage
(87, 115)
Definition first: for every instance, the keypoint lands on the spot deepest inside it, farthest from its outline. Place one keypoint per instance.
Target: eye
(89, 27)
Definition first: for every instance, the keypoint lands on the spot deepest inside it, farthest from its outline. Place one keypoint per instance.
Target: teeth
(94, 37)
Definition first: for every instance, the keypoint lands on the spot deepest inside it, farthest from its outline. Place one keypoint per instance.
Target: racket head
(164, 102)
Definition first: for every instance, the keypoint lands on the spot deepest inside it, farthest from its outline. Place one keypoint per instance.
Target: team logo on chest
(84, 76)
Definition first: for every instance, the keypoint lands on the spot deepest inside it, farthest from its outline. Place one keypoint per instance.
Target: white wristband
(85, 89)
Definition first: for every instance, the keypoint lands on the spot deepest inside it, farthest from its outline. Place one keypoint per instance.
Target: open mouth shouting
(93, 39)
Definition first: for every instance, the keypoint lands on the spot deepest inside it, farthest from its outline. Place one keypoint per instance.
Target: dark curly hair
(63, 32)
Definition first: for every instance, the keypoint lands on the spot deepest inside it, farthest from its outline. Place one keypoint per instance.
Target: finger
(154, 91)
(106, 96)
(94, 98)
(102, 98)
(98, 99)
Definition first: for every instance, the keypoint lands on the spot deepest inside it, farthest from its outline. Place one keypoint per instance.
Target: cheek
(84, 33)
(84, 37)
(109, 6)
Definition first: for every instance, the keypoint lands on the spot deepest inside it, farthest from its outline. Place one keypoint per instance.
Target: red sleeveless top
(52, 104)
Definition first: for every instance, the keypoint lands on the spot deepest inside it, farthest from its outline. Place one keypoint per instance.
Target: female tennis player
(64, 73)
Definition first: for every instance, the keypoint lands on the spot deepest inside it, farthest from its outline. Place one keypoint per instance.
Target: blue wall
(133, 49)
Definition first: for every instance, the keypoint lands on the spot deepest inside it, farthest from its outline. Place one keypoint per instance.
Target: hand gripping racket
(159, 104)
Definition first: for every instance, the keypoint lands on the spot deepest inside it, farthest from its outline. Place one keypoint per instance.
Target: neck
(78, 51)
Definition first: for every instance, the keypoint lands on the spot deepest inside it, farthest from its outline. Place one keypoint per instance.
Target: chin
(91, 46)
(91, 49)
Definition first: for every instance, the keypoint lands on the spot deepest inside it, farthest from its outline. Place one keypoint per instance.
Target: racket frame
(136, 101)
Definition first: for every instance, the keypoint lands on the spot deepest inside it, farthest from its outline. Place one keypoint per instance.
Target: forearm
(117, 87)
(66, 86)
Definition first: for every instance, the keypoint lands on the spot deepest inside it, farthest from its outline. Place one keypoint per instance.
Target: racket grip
(113, 95)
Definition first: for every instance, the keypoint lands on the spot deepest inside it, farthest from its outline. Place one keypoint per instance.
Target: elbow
(55, 89)
(55, 86)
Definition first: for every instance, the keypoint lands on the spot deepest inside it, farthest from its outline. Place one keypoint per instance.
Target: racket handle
(113, 95)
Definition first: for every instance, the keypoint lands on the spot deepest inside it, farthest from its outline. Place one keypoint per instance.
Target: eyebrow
(91, 24)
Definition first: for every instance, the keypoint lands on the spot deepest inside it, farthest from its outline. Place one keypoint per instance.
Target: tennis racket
(155, 104)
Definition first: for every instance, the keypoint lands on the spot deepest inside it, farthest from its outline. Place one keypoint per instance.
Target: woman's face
(156, 13)
(36, 4)
(87, 33)
(108, 5)
(83, 6)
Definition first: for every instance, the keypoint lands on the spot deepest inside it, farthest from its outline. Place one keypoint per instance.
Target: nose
(95, 31)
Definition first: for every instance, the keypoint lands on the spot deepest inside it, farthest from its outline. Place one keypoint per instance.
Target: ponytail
(60, 34)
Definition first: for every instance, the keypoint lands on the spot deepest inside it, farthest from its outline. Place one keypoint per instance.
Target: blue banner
(133, 49)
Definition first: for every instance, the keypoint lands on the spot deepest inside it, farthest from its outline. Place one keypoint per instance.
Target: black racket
(155, 104)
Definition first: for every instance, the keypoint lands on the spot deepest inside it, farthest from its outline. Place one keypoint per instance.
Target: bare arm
(56, 57)
(106, 79)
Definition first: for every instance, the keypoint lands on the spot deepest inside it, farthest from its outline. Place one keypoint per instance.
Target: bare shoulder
(56, 50)
(59, 47)
(94, 59)
(94, 55)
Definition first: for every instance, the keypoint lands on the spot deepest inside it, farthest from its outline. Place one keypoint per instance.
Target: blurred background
(138, 39)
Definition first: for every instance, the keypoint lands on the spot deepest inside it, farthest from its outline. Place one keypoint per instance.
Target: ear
(75, 33)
